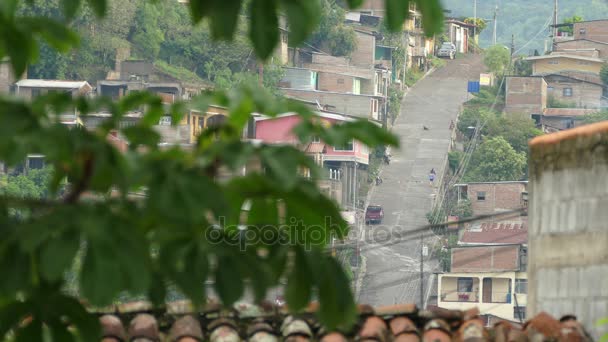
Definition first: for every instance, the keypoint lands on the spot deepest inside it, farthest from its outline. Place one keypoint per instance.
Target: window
(35, 93)
(165, 120)
(582, 31)
(35, 162)
(316, 139)
(348, 147)
(549, 89)
(481, 195)
(553, 61)
(519, 313)
(568, 92)
(521, 286)
(465, 284)
(583, 63)
(340, 81)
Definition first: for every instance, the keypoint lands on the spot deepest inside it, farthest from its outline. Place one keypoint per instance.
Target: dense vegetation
(161, 32)
(526, 20)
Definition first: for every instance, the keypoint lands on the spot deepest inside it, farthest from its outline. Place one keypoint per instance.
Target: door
(487, 290)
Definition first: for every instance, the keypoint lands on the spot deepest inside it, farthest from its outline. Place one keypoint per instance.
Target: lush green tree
(570, 20)
(522, 67)
(463, 209)
(481, 23)
(497, 58)
(147, 35)
(495, 160)
(517, 130)
(474, 116)
(332, 34)
(163, 239)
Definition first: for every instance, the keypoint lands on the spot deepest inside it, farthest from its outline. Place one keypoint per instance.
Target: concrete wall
(568, 234)
(526, 95)
(364, 54)
(557, 65)
(298, 79)
(499, 197)
(335, 82)
(592, 30)
(6, 77)
(584, 44)
(376, 7)
(584, 94)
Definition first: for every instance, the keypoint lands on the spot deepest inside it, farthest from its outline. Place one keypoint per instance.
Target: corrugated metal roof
(32, 83)
(496, 233)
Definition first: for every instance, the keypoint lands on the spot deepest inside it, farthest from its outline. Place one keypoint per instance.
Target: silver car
(448, 50)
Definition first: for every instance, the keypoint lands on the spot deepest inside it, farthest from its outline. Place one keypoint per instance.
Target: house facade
(558, 63)
(490, 278)
(345, 167)
(525, 95)
(494, 197)
(596, 30)
(29, 89)
(581, 90)
(459, 33)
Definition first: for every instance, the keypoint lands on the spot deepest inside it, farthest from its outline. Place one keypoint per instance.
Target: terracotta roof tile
(396, 323)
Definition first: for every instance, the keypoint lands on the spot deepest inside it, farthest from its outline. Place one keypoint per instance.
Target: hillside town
(484, 218)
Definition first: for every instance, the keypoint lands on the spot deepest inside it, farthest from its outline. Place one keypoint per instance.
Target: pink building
(346, 166)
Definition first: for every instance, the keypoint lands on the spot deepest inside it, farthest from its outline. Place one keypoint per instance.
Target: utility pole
(421, 271)
(475, 20)
(512, 45)
(494, 33)
(553, 46)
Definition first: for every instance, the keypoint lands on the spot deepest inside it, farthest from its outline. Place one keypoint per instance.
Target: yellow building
(215, 115)
(557, 63)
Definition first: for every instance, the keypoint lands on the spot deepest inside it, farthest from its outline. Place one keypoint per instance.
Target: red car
(374, 214)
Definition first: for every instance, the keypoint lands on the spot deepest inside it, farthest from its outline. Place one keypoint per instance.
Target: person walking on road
(432, 175)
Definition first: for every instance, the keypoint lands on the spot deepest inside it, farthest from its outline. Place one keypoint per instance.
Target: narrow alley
(391, 271)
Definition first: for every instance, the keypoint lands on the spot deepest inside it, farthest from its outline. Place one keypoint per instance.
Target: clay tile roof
(496, 233)
(568, 111)
(395, 323)
(583, 131)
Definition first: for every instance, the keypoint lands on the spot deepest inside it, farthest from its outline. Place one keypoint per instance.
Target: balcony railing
(498, 297)
(466, 297)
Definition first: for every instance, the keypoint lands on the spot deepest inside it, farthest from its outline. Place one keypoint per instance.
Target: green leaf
(86, 323)
(264, 27)
(336, 298)
(228, 279)
(224, 18)
(70, 7)
(15, 269)
(299, 282)
(98, 268)
(58, 255)
(141, 135)
(198, 10)
(303, 16)
(11, 314)
(31, 332)
(396, 12)
(60, 331)
(99, 7)
(354, 3)
(432, 16)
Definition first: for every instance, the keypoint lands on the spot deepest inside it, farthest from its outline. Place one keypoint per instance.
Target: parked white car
(448, 50)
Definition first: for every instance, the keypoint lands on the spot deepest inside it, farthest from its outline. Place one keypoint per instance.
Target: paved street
(391, 273)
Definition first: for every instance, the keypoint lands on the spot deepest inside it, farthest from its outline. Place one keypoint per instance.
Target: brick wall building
(364, 54)
(525, 95)
(593, 30)
(573, 90)
(492, 197)
(584, 44)
(568, 233)
(362, 106)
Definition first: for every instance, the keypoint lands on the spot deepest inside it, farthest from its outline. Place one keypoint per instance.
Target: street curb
(360, 276)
